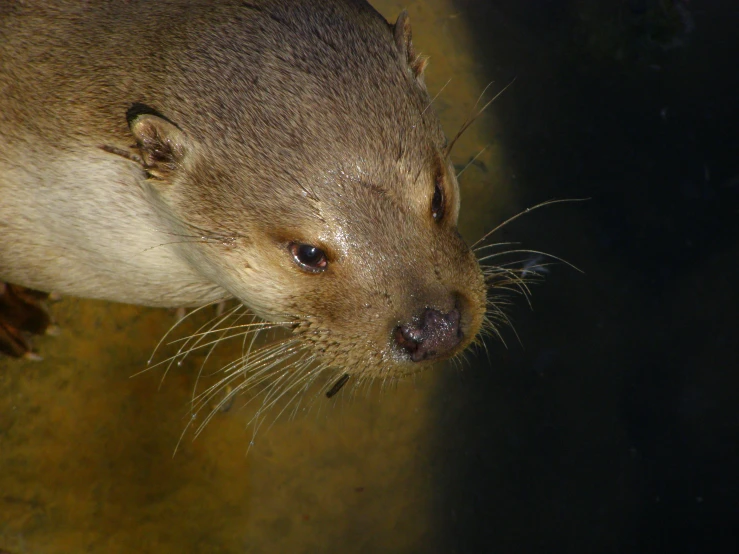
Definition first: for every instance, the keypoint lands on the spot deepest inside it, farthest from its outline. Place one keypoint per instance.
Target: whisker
(275, 391)
(202, 365)
(197, 345)
(254, 338)
(234, 369)
(495, 244)
(472, 118)
(532, 252)
(524, 212)
(172, 328)
(262, 325)
(184, 353)
(306, 378)
(253, 367)
(514, 279)
(436, 96)
(194, 240)
(172, 359)
(472, 161)
(314, 374)
(284, 371)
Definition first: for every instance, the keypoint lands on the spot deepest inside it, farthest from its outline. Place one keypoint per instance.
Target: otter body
(282, 152)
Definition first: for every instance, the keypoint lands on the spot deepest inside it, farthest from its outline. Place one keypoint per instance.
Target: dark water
(615, 428)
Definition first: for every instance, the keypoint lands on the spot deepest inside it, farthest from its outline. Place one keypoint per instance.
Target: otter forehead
(349, 205)
(299, 76)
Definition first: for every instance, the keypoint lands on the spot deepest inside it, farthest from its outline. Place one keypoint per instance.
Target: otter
(284, 153)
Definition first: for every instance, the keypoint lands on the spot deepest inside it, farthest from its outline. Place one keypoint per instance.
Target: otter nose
(431, 336)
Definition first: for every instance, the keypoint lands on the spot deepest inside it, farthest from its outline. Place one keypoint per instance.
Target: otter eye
(308, 257)
(438, 202)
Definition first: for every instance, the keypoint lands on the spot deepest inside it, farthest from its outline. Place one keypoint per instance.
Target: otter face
(342, 208)
(374, 272)
(365, 265)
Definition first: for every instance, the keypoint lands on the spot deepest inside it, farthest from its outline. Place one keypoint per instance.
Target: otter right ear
(404, 42)
(162, 145)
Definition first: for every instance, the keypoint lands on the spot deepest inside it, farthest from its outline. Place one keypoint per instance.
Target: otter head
(323, 164)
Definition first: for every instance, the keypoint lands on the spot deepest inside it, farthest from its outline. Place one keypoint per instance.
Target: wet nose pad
(431, 336)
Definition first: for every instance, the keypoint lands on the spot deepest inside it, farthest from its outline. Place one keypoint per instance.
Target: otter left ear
(404, 42)
(161, 143)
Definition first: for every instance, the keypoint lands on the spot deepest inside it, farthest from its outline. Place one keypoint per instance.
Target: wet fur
(294, 121)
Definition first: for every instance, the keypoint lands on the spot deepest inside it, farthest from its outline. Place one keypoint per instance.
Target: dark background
(615, 427)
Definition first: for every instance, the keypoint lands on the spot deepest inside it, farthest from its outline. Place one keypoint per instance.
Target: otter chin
(284, 153)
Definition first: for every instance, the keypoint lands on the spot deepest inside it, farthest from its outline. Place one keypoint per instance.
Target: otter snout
(432, 335)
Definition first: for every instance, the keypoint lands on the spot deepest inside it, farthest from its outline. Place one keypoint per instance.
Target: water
(614, 428)
(611, 428)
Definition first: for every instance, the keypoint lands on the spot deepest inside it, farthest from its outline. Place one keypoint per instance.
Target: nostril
(431, 336)
(408, 337)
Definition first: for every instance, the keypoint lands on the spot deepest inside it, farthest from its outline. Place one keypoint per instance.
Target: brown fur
(165, 153)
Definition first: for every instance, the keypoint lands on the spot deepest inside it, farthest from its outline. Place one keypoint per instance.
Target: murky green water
(86, 455)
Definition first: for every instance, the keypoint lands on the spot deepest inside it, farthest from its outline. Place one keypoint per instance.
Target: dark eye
(438, 202)
(308, 257)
